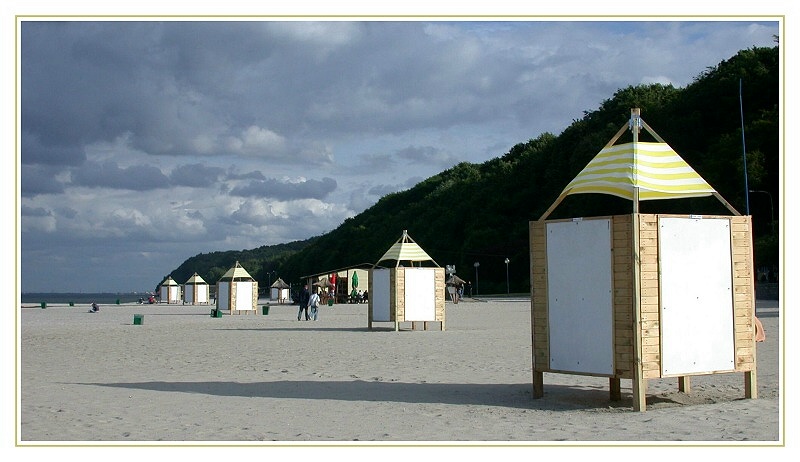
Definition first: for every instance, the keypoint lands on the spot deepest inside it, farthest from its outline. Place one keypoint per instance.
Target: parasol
(455, 280)
(324, 282)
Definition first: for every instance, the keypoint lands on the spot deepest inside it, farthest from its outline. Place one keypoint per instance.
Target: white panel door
(223, 289)
(696, 295)
(420, 301)
(380, 295)
(244, 295)
(579, 290)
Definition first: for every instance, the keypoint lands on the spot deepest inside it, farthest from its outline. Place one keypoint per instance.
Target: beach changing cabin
(642, 296)
(170, 291)
(195, 291)
(237, 291)
(279, 291)
(411, 291)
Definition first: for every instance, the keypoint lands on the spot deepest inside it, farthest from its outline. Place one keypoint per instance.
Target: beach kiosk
(642, 296)
(170, 291)
(413, 290)
(237, 291)
(279, 290)
(195, 291)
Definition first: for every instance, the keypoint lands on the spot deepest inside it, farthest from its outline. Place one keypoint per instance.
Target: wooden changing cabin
(170, 291)
(195, 291)
(237, 291)
(411, 293)
(642, 296)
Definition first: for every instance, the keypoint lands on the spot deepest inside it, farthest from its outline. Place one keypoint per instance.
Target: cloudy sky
(143, 143)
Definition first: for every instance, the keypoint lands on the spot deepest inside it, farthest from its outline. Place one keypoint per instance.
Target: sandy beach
(183, 376)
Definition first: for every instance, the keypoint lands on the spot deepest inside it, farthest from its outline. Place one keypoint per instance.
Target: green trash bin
(138, 319)
(265, 310)
(330, 302)
(117, 301)
(71, 303)
(44, 305)
(216, 313)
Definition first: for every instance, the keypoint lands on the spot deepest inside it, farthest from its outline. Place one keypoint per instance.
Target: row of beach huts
(405, 285)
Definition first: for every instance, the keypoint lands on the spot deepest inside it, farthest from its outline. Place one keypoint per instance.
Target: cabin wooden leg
(615, 388)
(538, 384)
(685, 384)
(750, 385)
(639, 394)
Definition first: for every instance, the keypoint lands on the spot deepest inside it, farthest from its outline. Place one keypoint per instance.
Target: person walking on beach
(313, 302)
(304, 297)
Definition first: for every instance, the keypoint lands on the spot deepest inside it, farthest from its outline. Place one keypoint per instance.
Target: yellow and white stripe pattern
(655, 168)
(405, 251)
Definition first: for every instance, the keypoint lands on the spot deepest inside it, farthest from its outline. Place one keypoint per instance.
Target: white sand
(183, 376)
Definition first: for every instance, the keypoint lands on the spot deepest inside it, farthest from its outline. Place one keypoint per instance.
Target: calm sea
(81, 298)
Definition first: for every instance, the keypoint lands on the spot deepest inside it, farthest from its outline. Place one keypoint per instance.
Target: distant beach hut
(195, 291)
(413, 293)
(237, 291)
(642, 296)
(279, 291)
(170, 291)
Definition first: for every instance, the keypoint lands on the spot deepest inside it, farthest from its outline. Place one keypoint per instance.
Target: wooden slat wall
(439, 284)
(649, 296)
(539, 323)
(622, 254)
(743, 292)
(397, 294)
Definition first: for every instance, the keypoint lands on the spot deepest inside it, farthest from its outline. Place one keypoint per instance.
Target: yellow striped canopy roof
(196, 280)
(655, 168)
(405, 249)
(236, 273)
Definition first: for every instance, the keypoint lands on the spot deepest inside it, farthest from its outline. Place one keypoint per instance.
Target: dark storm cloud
(37, 180)
(254, 175)
(195, 175)
(35, 152)
(309, 189)
(34, 212)
(67, 212)
(110, 175)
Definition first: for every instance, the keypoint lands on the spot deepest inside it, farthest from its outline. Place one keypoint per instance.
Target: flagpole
(635, 126)
(744, 155)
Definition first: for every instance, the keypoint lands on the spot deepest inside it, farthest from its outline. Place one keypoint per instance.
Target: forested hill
(480, 212)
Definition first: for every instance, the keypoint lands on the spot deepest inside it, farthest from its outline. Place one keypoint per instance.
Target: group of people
(308, 300)
(356, 296)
